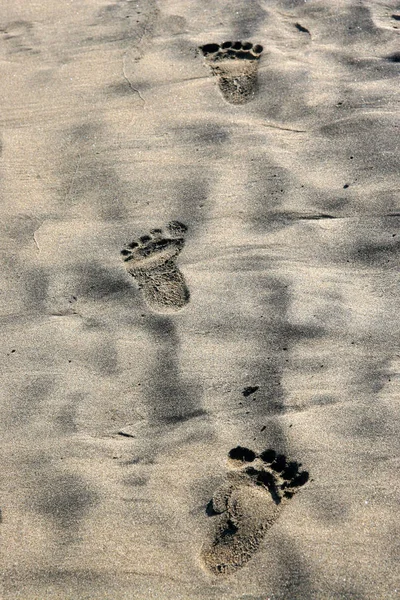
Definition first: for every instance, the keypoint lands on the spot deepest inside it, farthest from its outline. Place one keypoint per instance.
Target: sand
(269, 321)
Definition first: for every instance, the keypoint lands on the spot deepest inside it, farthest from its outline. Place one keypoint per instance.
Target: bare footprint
(236, 66)
(151, 261)
(247, 505)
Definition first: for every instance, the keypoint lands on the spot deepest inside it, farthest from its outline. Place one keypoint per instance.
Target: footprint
(151, 261)
(236, 66)
(247, 505)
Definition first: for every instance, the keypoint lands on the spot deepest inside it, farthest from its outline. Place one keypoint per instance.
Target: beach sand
(280, 288)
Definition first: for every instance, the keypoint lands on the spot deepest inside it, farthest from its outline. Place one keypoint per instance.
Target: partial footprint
(151, 261)
(247, 505)
(236, 66)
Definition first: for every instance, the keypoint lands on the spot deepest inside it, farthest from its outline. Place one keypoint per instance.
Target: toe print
(242, 454)
(236, 66)
(247, 505)
(151, 261)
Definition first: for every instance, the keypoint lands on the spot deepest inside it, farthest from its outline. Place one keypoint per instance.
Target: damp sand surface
(243, 157)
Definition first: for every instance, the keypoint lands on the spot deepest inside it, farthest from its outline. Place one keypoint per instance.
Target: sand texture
(212, 414)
